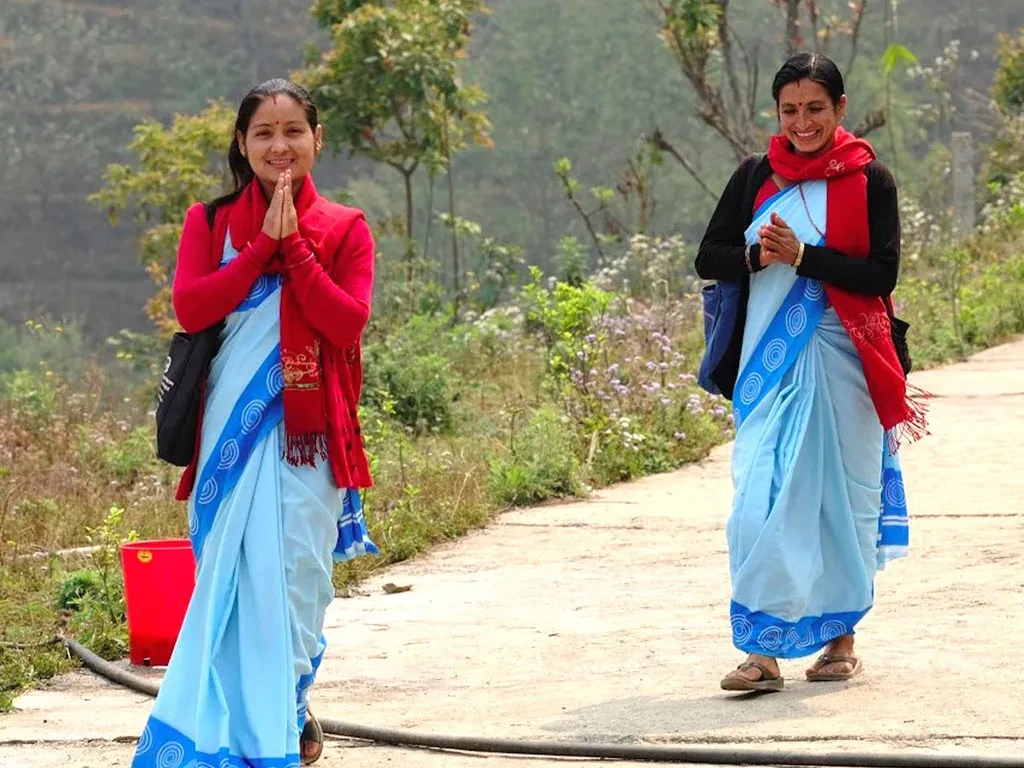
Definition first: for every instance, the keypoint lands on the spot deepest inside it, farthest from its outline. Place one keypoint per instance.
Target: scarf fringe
(303, 450)
(915, 426)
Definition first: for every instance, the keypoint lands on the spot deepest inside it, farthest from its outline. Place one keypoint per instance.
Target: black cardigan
(721, 252)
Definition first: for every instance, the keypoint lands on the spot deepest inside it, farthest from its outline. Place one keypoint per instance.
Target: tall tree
(723, 70)
(389, 87)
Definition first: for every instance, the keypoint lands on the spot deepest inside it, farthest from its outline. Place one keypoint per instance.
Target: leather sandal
(312, 733)
(825, 660)
(769, 682)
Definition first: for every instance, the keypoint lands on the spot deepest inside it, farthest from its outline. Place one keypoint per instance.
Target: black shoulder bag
(182, 387)
(899, 337)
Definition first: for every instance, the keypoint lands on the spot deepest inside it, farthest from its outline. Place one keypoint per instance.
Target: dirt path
(605, 620)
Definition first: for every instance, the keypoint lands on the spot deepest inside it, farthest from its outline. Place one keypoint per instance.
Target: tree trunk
(456, 269)
(408, 224)
(793, 42)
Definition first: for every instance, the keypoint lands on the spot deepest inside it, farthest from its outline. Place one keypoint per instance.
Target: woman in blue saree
(808, 238)
(273, 491)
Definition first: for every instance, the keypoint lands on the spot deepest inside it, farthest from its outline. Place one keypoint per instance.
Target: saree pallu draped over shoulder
(819, 504)
(265, 533)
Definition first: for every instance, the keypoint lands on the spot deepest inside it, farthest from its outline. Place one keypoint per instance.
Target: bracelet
(290, 267)
(799, 256)
(746, 257)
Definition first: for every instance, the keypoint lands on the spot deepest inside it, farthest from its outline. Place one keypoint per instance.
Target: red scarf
(864, 317)
(305, 405)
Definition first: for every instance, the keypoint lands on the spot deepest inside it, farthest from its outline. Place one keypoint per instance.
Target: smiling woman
(811, 103)
(808, 238)
(273, 489)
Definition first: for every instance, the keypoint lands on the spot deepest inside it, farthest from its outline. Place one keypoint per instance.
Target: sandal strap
(766, 674)
(826, 659)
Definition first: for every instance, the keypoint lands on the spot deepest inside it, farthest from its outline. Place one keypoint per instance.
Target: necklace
(810, 218)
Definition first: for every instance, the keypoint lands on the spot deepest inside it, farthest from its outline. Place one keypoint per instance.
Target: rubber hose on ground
(635, 753)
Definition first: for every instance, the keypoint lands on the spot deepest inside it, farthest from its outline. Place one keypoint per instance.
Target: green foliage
(390, 84)
(98, 614)
(895, 55)
(60, 346)
(564, 317)
(122, 461)
(541, 462)
(31, 395)
(1009, 82)
(390, 88)
(410, 377)
(174, 167)
(76, 587)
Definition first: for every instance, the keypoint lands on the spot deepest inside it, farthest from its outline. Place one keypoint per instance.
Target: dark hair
(239, 165)
(815, 67)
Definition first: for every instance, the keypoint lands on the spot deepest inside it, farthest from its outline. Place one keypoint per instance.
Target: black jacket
(721, 252)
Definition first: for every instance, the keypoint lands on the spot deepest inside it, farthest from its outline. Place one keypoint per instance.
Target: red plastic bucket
(159, 577)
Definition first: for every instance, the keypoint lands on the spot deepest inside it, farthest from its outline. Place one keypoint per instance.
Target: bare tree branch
(570, 195)
(872, 121)
(792, 27)
(657, 138)
(858, 18)
(692, 53)
(725, 36)
(815, 13)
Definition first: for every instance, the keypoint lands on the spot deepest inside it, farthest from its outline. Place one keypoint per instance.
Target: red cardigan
(336, 302)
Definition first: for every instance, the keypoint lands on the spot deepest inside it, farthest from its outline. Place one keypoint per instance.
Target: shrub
(541, 462)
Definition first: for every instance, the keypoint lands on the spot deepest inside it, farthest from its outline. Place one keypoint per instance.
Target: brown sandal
(825, 660)
(312, 733)
(769, 681)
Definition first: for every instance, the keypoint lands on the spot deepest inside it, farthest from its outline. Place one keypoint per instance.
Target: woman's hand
(289, 217)
(272, 221)
(779, 245)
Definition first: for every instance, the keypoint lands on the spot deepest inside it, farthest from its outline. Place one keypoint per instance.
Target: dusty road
(605, 620)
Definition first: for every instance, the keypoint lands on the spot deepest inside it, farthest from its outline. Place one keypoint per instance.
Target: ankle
(767, 661)
(841, 646)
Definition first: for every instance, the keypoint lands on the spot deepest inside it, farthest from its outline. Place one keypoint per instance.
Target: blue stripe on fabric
(353, 536)
(894, 522)
(773, 200)
(162, 746)
(767, 635)
(780, 346)
(261, 290)
(307, 680)
(259, 410)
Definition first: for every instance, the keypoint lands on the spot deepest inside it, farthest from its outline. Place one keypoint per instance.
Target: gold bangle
(799, 256)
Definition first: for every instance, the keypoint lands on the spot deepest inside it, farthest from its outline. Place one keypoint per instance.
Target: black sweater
(720, 256)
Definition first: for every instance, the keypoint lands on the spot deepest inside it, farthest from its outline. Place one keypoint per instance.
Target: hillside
(574, 78)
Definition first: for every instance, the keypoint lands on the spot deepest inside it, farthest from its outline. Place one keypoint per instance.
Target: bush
(413, 372)
(121, 459)
(58, 346)
(541, 462)
(76, 587)
(31, 395)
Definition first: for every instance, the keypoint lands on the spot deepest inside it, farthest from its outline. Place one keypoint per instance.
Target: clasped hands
(779, 244)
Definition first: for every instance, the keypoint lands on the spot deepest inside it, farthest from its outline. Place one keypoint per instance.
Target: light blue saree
(265, 534)
(819, 504)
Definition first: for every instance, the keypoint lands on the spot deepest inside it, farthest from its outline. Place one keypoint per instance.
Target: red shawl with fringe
(865, 318)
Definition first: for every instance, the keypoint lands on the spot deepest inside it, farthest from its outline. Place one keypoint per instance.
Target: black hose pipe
(635, 753)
